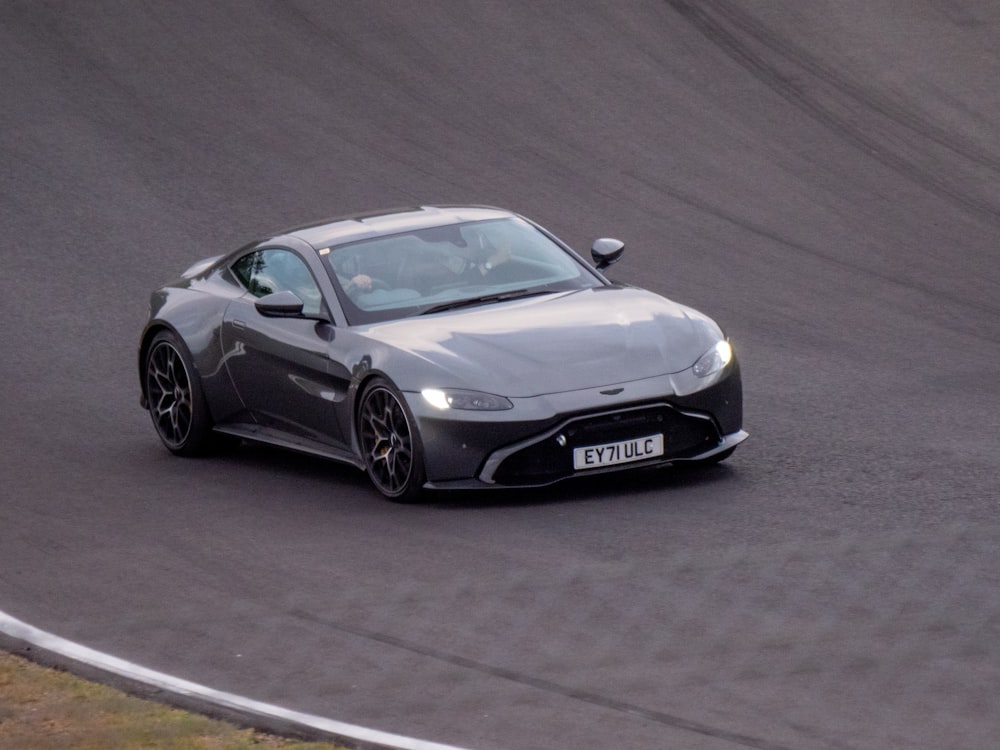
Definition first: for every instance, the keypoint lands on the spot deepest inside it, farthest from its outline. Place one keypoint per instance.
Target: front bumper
(548, 458)
(532, 444)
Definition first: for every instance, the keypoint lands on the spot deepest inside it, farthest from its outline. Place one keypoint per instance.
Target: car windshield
(441, 268)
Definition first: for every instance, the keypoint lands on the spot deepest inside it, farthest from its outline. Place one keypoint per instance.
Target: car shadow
(307, 470)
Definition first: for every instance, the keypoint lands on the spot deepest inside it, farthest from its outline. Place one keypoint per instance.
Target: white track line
(20, 631)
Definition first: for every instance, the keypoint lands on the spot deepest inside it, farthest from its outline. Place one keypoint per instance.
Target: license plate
(623, 452)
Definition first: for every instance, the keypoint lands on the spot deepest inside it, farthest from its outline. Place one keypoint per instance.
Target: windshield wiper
(485, 300)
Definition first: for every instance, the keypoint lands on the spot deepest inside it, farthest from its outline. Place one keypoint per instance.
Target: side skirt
(270, 436)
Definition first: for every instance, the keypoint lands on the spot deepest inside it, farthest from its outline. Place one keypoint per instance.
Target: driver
(360, 282)
(475, 261)
(351, 279)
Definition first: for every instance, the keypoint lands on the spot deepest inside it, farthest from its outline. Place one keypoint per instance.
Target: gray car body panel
(295, 381)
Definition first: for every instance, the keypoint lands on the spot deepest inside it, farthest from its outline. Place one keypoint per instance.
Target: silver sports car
(437, 347)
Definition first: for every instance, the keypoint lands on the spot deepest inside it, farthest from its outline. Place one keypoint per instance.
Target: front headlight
(713, 360)
(452, 398)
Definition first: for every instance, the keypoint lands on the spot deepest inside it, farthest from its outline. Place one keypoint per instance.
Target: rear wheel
(389, 442)
(176, 401)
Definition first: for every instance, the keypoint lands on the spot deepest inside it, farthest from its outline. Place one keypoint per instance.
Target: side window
(244, 269)
(267, 271)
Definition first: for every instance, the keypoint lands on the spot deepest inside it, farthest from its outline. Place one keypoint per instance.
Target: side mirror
(279, 305)
(606, 251)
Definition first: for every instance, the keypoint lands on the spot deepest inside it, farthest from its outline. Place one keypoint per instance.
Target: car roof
(362, 226)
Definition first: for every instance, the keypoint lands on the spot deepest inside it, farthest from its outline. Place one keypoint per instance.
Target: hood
(550, 344)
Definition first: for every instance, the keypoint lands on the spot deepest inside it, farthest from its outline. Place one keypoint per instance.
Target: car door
(281, 366)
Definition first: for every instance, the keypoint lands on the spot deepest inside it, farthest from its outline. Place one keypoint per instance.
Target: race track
(823, 178)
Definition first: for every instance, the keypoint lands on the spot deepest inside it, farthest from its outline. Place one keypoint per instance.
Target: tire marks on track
(882, 129)
(549, 686)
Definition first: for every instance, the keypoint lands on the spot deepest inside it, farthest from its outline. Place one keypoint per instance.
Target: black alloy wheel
(389, 443)
(175, 398)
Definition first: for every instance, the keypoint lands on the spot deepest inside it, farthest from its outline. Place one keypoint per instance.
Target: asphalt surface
(823, 178)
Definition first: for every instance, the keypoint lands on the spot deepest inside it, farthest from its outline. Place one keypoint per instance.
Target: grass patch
(47, 709)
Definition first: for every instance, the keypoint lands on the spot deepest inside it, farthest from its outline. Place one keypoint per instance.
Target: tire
(175, 397)
(389, 442)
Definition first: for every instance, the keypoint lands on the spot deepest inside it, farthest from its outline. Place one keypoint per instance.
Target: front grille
(551, 458)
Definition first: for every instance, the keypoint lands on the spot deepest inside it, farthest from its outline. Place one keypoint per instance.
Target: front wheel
(176, 401)
(389, 442)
